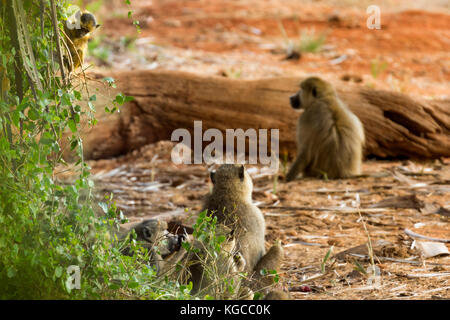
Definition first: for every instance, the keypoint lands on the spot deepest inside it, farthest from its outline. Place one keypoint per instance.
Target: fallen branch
(428, 275)
(416, 235)
(381, 259)
(339, 209)
(395, 124)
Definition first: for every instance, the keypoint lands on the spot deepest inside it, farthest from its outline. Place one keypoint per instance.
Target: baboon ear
(314, 92)
(211, 175)
(241, 172)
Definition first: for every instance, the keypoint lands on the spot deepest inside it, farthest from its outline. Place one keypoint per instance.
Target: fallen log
(396, 125)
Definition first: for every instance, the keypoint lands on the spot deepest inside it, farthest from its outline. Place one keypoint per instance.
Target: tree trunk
(395, 124)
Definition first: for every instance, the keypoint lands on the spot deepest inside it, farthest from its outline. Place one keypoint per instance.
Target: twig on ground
(416, 235)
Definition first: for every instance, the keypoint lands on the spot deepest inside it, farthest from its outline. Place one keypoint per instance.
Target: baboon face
(233, 178)
(310, 89)
(295, 100)
(150, 230)
(88, 23)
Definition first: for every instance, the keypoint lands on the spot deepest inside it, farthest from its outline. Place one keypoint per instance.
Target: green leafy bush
(47, 226)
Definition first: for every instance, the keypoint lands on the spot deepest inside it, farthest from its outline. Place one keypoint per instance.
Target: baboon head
(150, 230)
(88, 23)
(310, 89)
(232, 179)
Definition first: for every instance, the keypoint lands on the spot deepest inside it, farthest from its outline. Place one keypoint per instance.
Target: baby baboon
(329, 136)
(78, 38)
(270, 261)
(231, 202)
(262, 280)
(164, 249)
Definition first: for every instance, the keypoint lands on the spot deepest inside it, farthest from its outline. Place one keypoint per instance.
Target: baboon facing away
(231, 202)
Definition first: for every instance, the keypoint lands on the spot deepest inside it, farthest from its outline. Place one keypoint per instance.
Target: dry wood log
(396, 125)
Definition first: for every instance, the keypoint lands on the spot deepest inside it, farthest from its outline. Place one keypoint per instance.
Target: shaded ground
(244, 39)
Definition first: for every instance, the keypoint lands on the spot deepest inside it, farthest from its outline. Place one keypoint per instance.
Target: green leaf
(33, 114)
(16, 118)
(325, 259)
(77, 94)
(45, 141)
(11, 272)
(120, 99)
(257, 296)
(58, 271)
(73, 144)
(114, 286)
(65, 100)
(72, 125)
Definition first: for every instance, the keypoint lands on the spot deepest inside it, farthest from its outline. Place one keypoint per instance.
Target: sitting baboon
(330, 137)
(231, 202)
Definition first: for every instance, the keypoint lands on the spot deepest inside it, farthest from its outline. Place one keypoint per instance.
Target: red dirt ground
(244, 38)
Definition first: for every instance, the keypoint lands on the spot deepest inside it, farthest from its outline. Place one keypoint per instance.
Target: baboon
(164, 249)
(330, 137)
(77, 38)
(270, 261)
(262, 279)
(231, 202)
